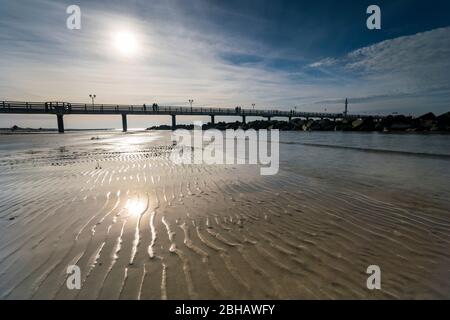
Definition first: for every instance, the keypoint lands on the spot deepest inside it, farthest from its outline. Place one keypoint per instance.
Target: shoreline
(10, 131)
(55, 132)
(188, 127)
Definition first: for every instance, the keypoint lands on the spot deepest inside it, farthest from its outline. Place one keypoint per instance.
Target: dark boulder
(326, 124)
(443, 121)
(366, 124)
(427, 116)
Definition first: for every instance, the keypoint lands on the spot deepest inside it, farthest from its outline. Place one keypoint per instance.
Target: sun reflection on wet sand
(136, 206)
(132, 142)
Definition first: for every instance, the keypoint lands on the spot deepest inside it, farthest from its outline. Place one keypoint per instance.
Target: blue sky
(309, 54)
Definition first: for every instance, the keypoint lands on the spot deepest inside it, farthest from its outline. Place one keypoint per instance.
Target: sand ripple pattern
(141, 227)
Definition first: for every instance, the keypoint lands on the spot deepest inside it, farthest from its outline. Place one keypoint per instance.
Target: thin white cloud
(327, 62)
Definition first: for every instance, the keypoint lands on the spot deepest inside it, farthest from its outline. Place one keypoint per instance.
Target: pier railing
(149, 109)
(60, 109)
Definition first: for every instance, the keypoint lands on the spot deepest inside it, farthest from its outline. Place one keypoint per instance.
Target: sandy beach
(141, 227)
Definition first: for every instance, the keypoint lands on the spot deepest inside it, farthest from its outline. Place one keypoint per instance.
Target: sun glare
(125, 43)
(136, 206)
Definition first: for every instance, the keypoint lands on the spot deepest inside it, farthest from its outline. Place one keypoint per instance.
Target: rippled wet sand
(141, 227)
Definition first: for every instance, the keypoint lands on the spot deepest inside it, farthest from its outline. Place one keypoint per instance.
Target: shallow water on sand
(141, 227)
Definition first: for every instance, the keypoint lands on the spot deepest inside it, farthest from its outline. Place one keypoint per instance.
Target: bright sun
(125, 43)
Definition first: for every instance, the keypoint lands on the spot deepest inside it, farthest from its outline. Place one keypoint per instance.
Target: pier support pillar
(268, 118)
(124, 122)
(243, 119)
(212, 119)
(59, 118)
(174, 122)
(290, 119)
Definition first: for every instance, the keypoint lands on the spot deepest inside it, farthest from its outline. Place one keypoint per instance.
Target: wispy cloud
(327, 62)
(412, 65)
